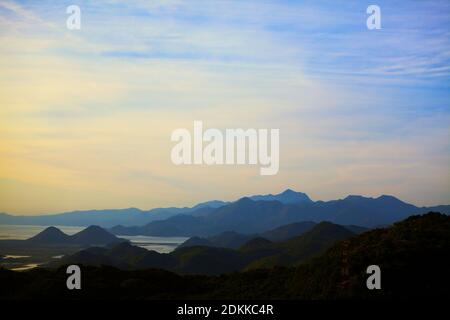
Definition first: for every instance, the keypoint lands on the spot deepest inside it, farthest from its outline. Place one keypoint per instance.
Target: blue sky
(359, 111)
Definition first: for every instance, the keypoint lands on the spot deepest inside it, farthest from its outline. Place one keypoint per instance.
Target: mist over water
(22, 232)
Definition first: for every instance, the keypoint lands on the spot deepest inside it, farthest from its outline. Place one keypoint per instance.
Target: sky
(86, 115)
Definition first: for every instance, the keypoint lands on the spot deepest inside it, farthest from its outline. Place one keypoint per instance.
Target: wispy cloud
(90, 112)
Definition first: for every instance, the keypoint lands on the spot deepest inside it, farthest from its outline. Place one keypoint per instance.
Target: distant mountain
(91, 236)
(104, 218)
(217, 216)
(210, 204)
(94, 235)
(287, 196)
(50, 235)
(247, 216)
(201, 259)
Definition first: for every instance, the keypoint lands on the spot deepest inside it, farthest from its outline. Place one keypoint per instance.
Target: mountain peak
(288, 191)
(388, 197)
(94, 228)
(50, 235)
(287, 196)
(95, 235)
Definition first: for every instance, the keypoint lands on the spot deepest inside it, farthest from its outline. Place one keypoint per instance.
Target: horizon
(229, 201)
(86, 115)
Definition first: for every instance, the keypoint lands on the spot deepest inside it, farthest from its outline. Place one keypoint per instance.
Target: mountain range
(255, 252)
(249, 216)
(132, 216)
(52, 236)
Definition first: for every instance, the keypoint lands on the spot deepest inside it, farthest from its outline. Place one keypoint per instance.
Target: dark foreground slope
(412, 255)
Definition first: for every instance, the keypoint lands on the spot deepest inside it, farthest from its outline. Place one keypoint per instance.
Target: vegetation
(412, 255)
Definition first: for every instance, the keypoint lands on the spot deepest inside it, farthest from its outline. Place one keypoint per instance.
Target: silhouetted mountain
(50, 235)
(196, 241)
(179, 225)
(246, 216)
(295, 207)
(227, 239)
(105, 218)
(296, 250)
(210, 204)
(416, 248)
(92, 235)
(234, 240)
(210, 259)
(287, 196)
(412, 256)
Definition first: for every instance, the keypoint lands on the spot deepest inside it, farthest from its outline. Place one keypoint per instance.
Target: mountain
(227, 239)
(287, 196)
(234, 240)
(416, 248)
(201, 259)
(50, 235)
(197, 241)
(295, 250)
(247, 216)
(210, 204)
(91, 236)
(269, 211)
(105, 218)
(242, 216)
(94, 235)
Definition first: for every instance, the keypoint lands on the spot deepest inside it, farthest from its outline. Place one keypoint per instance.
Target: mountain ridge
(247, 216)
(128, 221)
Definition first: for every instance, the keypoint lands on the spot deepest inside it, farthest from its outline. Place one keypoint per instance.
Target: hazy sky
(86, 115)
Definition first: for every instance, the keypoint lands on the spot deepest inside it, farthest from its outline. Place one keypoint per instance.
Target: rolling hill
(412, 255)
(201, 259)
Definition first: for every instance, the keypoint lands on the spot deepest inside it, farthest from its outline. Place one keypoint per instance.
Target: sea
(159, 244)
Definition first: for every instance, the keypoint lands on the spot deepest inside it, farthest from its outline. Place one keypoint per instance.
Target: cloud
(90, 112)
